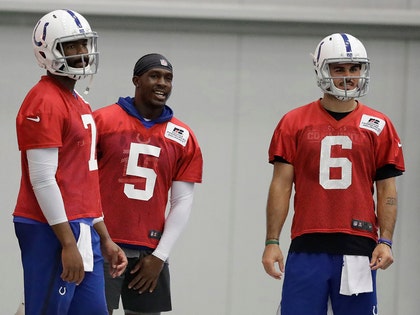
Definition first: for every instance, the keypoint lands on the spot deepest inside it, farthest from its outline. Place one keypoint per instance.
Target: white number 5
(133, 169)
(327, 162)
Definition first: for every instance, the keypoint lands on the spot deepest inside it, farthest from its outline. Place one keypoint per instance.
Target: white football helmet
(56, 28)
(341, 48)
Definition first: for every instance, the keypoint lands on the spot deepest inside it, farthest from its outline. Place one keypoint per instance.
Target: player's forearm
(182, 194)
(386, 207)
(42, 164)
(276, 214)
(64, 234)
(102, 231)
(278, 199)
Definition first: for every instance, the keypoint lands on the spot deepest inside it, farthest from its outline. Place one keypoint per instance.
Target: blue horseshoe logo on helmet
(44, 34)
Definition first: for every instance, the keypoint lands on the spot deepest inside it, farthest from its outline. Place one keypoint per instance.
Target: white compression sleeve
(181, 200)
(42, 165)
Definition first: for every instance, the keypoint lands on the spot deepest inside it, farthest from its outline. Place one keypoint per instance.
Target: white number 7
(88, 120)
(133, 169)
(327, 162)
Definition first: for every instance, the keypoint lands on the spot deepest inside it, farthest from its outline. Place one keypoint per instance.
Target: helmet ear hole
(42, 54)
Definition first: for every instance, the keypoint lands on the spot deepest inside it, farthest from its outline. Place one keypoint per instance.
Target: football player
(144, 153)
(334, 152)
(58, 213)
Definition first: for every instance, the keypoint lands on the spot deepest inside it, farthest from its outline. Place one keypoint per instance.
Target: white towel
(84, 244)
(356, 276)
(329, 310)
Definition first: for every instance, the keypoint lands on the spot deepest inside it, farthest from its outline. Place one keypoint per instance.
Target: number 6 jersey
(335, 162)
(138, 161)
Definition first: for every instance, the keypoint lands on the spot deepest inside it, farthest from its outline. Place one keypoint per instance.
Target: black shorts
(157, 301)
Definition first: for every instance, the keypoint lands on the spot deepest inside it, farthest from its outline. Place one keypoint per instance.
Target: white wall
(231, 87)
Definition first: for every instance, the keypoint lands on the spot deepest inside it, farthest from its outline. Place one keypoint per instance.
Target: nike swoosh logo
(35, 119)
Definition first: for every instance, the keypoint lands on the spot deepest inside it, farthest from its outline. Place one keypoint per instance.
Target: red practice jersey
(53, 117)
(335, 163)
(137, 166)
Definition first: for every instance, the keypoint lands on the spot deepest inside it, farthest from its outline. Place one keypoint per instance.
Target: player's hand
(273, 257)
(382, 257)
(148, 270)
(73, 268)
(115, 256)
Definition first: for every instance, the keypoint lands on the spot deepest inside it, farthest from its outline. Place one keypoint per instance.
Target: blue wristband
(385, 241)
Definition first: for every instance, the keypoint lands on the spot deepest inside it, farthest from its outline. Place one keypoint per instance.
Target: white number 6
(327, 162)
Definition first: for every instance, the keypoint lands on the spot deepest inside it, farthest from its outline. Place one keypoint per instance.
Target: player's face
(155, 87)
(74, 48)
(346, 75)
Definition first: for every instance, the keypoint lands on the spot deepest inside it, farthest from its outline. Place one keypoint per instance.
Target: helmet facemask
(60, 63)
(326, 81)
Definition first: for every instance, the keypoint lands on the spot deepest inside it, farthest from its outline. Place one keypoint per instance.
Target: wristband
(385, 241)
(272, 241)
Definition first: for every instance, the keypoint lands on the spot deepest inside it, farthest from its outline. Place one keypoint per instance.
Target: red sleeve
(389, 148)
(40, 124)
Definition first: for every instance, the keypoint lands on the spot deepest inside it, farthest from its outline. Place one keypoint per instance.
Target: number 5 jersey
(138, 161)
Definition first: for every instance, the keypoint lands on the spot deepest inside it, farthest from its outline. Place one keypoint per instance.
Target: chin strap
(86, 92)
(343, 98)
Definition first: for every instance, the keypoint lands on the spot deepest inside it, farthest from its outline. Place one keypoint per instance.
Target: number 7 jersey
(137, 166)
(53, 117)
(335, 163)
